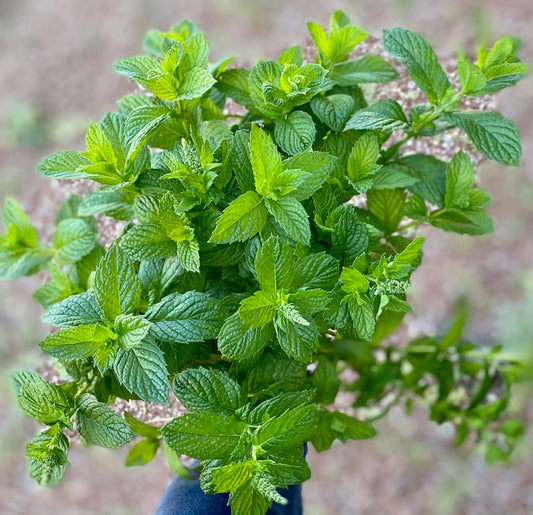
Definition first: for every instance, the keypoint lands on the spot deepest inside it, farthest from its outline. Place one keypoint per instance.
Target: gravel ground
(56, 61)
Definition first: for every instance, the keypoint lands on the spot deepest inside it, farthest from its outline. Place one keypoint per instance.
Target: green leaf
(318, 165)
(73, 311)
(117, 288)
(241, 220)
(274, 265)
(73, 239)
(349, 237)
(296, 133)
(209, 390)
(495, 136)
(410, 255)
(99, 147)
(58, 288)
(418, 57)
(297, 340)
(363, 317)
(466, 221)
(326, 382)
(265, 159)
(289, 429)
(194, 84)
(349, 428)
(39, 399)
(275, 374)
(204, 436)
(292, 55)
(430, 173)
(230, 477)
(292, 218)
(141, 428)
(384, 115)
(142, 452)
(64, 165)
(459, 181)
(472, 78)
(143, 371)
(258, 310)
(333, 110)
(316, 271)
(130, 330)
(148, 241)
(238, 341)
(14, 215)
(117, 204)
(248, 500)
(366, 69)
(185, 318)
(77, 342)
(353, 281)
(46, 456)
(260, 80)
(99, 425)
(147, 72)
(387, 205)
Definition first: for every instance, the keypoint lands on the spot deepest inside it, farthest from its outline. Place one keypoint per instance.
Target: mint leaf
(353, 281)
(185, 318)
(74, 311)
(298, 340)
(117, 288)
(296, 133)
(265, 159)
(292, 218)
(258, 310)
(77, 342)
(349, 236)
(248, 500)
(46, 456)
(143, 371)
(318, 165)
(142, 452)
(459, 181)
(204, 436)
(363, 318)
(387, 205)
(208, 390)
(99, 425)
(194, 84)
(317, 271)
(237, 340)
(130, 330)
(141, 428)
(41, 400)
(232, 476)
(384, 115)
(241, 220)
(73, 239)
(147, 241)
(274, 265)
(64, 165)
(495, 136)
(416, 54)
(287, 430)
(366, 69)
(333, 110)
(465, 221)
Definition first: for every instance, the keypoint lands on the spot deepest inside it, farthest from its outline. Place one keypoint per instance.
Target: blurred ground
(56, 75)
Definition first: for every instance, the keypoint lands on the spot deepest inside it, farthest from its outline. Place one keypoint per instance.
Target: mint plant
(270, 235)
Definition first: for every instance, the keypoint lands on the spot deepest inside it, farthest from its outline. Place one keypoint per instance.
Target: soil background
(56, 75)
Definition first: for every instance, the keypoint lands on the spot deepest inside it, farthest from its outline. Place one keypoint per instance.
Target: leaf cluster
(262, 254)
